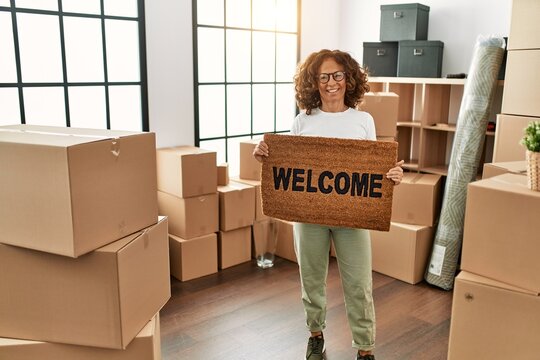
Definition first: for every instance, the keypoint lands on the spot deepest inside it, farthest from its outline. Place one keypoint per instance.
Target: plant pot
(533, 170)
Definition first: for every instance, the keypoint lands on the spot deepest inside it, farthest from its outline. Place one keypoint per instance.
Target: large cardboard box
(69, 191)
(500, 238)
(186, 171)
(236, 206)
(259, 215)
(145, 346)
(234, 247)
(417, 199)
(285, 241)
(508, 133)
(493, 320)
(101, 299)
(193, 258)
(403, 252)
(524, 25)
(383, 106)
(190, 217)
(512, 167)
(250, 168)
(520, 96)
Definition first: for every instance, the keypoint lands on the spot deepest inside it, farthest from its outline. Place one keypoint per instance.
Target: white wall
(336, 24)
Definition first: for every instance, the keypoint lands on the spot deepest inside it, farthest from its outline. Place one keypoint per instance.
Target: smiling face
(333, 92)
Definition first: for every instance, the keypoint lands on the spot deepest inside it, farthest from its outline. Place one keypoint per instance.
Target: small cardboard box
(417, 199)
(259, 215)
(250, 168)
(236, 206)
(223, 174)
(186, 171)
(234, 247)
(383, 106)
(493, 320)
(520, 96)
(193, 258)
(508, 133)
(100, 299)
(69, 191)
(190, 217)
(145, 346)
(402, 252)
(512, 167)
(500, 236)
(285, 241)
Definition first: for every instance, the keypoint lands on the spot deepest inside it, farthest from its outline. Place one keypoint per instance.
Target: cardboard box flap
(120, 244)
(513, 183)
(408, 226)
(234, 186)
(515, 167)
(421, 179)
(467, 276)
(187, 150)
(246, 181)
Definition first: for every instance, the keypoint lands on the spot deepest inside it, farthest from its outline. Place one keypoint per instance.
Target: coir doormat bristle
(329, 181)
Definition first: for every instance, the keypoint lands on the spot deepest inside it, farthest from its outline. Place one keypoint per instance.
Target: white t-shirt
(349, 124)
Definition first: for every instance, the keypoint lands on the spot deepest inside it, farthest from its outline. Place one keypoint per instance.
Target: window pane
(210, 12)
(233, 154)
(211, 111)
(263, 108)
(4, 3)
(44, 106)
(285, 106)
(264, 14)
(215, 145)
(286, 57)
(82, 7)
(238, 56)
(37, 4)
(286, 14)
(39, 38)
(122, 39)
(211, 55)
(125, 107)
(263, 56)
(84, 54)
(8, 69)
(238, 109)
(9, 106)
(87, 107)
(121, 8)
(238, 13)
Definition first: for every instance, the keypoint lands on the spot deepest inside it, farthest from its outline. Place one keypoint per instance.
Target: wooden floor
(248, 313)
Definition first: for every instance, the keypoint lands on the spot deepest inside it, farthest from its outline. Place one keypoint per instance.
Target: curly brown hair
(306, 80)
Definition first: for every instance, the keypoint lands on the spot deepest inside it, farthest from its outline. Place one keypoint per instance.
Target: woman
(329, 85)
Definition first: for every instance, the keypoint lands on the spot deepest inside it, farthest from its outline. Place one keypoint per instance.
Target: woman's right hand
(260, 151)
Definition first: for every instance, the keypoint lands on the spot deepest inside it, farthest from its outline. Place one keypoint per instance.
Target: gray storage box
(404, 22)
(380, 58)
(420, 58)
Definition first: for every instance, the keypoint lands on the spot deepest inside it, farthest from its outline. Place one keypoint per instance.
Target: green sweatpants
(353, 252)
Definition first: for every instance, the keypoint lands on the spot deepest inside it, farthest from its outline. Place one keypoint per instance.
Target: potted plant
(531, 141)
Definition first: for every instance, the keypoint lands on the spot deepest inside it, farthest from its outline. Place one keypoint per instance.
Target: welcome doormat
(329, 181)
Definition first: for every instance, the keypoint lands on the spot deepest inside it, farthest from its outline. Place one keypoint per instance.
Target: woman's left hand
(396, 173)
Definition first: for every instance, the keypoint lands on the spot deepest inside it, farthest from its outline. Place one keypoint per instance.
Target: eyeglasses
(337, 76)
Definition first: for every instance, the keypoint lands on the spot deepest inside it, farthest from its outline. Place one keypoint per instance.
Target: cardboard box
(386, 138)
(193, 258)
(417, 200)
(236, 206)
(190, 217)
(520, 95)
(250, 168)
(508, 133)
(186, 171)
(285, 244)
(145, 346)
(500, 238)
(383, 106)
(259, 215)
(223, 174)
(524, 26)
(69, 191)
(234, 247)
(512, 167)
(403, 252)
(101, 299)
(493, 320)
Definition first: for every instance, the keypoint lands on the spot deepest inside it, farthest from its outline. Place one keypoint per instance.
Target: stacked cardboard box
(187, 194)
(383, 106)
(403, 251)
(83, 257)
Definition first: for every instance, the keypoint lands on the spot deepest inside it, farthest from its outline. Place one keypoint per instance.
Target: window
(73, 63)
(245, 56)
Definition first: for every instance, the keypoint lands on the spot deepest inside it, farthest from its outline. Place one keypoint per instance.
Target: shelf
(412, 124)
(440, 169)
(410, 166)
(435, 81)
(442, 127)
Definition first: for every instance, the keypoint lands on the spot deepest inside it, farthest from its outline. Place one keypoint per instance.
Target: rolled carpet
(465, 158)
